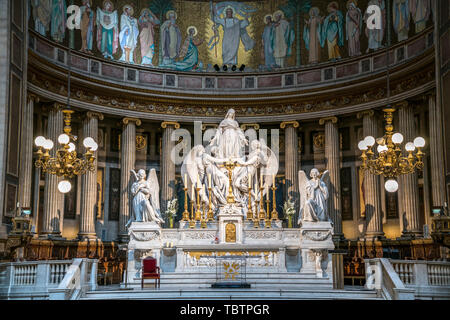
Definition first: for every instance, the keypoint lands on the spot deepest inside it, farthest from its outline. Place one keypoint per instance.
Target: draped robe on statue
(420, 13)
(128, 37)
(230, 139)
(87, 27)
(375, 36)
(333, 33)
(311, 36)
(283, 38)
(107, 32)
(42, 15)
(147, 38)
(59, 18)
(354, 28)
(401, 18)
(267, 37)
(316, 205)
(233, 32)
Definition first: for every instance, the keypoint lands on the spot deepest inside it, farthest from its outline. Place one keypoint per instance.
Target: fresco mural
(197, 35)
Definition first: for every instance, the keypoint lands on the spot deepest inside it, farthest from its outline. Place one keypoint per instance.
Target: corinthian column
(332, 159)
(89, 182)
(167, 165)
(291, 160)
(127, 162)
(373, 212)
(26, 151)
(436, 152)
(408, 183)
(53, 198)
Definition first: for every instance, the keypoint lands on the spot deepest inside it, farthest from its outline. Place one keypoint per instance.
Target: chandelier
(388, 159)
(66, 162)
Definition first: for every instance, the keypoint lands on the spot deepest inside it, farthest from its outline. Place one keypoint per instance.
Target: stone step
(232, 294)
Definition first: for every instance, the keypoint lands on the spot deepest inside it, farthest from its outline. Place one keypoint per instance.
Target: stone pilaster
(26, 151)
(89, 181)
(291, 161)
(409, 190)
(436, 152)
(53, 198)
(127, 163)
(373, 211)
(332, 158)
(167, 165)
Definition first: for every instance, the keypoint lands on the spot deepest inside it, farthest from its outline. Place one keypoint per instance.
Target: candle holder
(268, 222)
(255, 221)
(249, 211)
(210, 211)
(198, 212)
(186, 211)
(192, 221)
(203, 218)
(262, 213)
(274, 212)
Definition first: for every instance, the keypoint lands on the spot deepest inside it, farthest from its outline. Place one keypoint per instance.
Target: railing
(36, 279)
(398, 279)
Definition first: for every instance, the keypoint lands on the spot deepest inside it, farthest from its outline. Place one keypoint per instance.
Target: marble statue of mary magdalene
(229, 138)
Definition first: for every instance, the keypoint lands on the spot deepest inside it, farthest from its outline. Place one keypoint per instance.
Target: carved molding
(316, 235)
(261, 235)
(144, 235)
(92, 114)
(295, 124)
(200, 235)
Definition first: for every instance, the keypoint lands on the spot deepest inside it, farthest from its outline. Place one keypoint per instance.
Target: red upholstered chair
(150, 271)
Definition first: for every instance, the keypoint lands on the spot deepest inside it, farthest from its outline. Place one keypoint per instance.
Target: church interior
(300, 141)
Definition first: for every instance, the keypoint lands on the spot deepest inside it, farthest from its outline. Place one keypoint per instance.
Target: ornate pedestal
(315, 242)
(230, 224)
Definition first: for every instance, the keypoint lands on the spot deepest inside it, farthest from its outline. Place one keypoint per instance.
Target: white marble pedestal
(228, 216)
(315, 242)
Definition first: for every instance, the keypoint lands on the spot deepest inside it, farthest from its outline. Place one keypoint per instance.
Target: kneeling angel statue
(313, 196)
(145, 202)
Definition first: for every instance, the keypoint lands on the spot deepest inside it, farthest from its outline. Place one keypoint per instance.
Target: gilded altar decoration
(319, 141)
(231, 270)
(141, 142)
(230, 232)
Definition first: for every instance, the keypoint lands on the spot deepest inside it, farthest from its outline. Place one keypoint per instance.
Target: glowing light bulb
(419, 142)
(397, 138)
(94, 146)
(63, 139)
(39, 141)
(71, 147)
(362, 145)
(88, 142)
(410, 146)
(382, 148)
(48, 144)
(64, 186)
(391, 185)
(369, 140)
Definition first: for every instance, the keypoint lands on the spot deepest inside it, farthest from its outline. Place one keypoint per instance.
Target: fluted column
(436, 152)
(167, 165)
(332, 158)
(409, 190)
(26, 151)
(53, 199)
(373, 212)
(127, 163)
(89, 181)
(291, 160)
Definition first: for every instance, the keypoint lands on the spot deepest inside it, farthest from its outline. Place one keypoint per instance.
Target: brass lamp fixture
(388, 159)
(66, 162)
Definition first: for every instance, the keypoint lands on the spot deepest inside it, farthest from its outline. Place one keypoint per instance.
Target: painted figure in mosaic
(234, 30)
(312, 34)
(107, 30)
(145, 194)
(128, 35)
(313, 196)
(188, 52)
(353, 23)
(170, 38)
(401, 16)
(420, 13)
(147, 22)
(267, 37)
(87, 26)
(41, 15)
(283, 38)
(333, 31)
(59, 18)
(375, 36)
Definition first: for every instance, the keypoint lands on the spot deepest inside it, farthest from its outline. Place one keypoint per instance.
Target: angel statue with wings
(145, 193)
(313, 196)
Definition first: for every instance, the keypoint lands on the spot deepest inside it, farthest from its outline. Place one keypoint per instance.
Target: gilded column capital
(332, 119)
(93, 114)
(369, 113)
(295, 124)
(32, 97)
(253, 125)
(212, 125)
(128, 120)
(401, 104)
(170, 123)
(57, 106)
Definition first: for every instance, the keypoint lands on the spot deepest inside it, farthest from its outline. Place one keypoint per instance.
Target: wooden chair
(150, 271)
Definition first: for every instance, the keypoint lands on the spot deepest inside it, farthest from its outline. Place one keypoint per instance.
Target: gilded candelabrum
(210, 211)
(230, 166)
(65, 163)
(186, 211)
(268, 221)
(198, 211)
(192, 221)
(389, 160)
(203, 218)
(274, 212)
(249, 211)
(262, 213)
